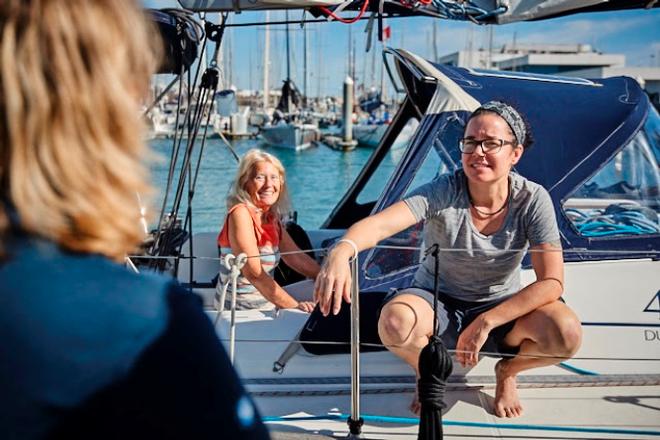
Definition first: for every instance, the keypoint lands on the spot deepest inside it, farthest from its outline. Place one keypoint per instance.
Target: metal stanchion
(235, 266)
(355, 422)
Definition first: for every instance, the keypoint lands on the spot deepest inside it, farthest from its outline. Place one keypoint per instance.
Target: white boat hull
(370, 135)
(291, 136)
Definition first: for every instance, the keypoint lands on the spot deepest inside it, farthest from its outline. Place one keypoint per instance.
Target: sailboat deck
(592, 396)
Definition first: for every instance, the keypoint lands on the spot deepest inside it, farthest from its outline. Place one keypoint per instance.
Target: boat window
(623, 197)
(382, 174)
(443, 158)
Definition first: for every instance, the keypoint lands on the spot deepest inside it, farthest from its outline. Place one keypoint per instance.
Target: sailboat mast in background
(266, 62)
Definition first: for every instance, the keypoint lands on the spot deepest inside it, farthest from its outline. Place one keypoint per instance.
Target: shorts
(454, 315)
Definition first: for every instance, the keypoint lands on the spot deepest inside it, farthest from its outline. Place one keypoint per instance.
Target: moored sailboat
(286, 130)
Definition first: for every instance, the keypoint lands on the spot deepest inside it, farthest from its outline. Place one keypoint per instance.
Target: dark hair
(529, 138)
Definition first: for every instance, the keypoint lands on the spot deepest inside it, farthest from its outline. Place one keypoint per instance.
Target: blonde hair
(246, 171)
(72, 147)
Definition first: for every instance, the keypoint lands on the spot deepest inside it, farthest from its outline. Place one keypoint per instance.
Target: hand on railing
(334, 280)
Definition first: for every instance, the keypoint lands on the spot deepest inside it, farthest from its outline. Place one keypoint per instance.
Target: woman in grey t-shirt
(491, 216)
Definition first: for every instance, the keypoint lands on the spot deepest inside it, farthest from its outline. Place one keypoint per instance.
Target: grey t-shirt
(480, 267)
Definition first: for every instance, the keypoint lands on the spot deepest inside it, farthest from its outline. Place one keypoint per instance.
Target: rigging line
(176, 148)
(502, 251)
(217, 35)
(449, 250)
(184, 257)
(170, 175)
(183, 175)
(320, 20)
(331, 14)
(193, 124)
(323, 250)
(161, 95)
(231, 148)
(193, 131)
(190, 144)
(484, 353)
(211, 93)
(577, 370)
(209, 87)
(199, 64)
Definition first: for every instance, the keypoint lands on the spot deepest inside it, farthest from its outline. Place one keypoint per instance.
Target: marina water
(318, 177)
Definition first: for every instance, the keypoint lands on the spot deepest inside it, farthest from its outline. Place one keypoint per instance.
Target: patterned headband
(510, 115)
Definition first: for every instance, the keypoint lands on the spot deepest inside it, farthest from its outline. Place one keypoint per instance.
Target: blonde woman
(89, 349)
(256, 201)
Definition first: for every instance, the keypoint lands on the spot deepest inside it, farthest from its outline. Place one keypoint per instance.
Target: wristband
(352, 243)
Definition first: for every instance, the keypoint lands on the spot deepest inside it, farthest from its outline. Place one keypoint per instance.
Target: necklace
(490, 214)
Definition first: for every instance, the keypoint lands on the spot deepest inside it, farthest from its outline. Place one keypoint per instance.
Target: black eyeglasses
(488, 146)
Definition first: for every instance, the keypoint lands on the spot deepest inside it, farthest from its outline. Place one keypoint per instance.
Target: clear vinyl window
(443, 157)
(623, 197)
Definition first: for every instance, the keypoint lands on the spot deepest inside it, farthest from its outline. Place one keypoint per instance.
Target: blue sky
(634, 33)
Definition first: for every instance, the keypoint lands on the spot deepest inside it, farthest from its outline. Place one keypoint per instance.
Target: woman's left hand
(470, 342)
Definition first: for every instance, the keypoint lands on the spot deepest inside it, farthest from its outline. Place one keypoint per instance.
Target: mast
(350, 70)
(372, 76)
(266, 62)
(305, 67)
(319, 47)
(382, 82)
(219, 61)
(353, 63)
(435, 41)
(288, 65)
(490, 46)
(229, 47)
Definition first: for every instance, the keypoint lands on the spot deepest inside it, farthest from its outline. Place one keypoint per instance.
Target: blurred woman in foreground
(89, 349)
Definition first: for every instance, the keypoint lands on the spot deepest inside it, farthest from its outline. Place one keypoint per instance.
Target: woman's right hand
(334, 280)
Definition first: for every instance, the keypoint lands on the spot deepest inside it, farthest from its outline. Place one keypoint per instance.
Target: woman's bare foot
(506, 403)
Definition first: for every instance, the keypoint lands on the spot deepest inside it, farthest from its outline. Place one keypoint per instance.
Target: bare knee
(569, 332)
(556, 330)
(563, 336)
(396, 324)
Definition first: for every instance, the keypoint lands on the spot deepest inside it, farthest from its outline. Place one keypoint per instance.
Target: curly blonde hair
(72, 150)
(246, 169)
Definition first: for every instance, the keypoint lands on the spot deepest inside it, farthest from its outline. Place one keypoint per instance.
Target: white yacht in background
(369, 135)
(159, 125)
(292, 135)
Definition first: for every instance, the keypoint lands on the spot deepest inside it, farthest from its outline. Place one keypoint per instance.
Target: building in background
(577, 60)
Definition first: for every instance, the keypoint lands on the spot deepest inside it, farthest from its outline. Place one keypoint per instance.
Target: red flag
(387, 33)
